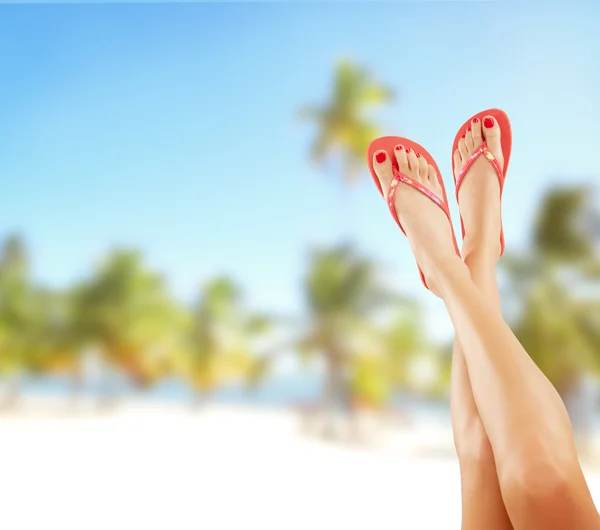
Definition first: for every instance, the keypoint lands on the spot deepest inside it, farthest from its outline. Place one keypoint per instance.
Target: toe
(423, 167)
(413, 162)
(431, 175)
(491, 134)
(383, 169)
(401, 158)
(457, 158)
(476, 132)
(469, 139)
(490, 128)
(462, 147)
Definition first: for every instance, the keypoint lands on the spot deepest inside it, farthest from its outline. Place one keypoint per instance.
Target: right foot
(479, 193)
(425, 224)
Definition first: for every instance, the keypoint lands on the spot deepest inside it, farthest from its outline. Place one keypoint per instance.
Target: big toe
(382, 165)
(491, 134)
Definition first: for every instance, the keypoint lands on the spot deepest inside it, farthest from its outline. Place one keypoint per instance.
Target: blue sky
(172, 128)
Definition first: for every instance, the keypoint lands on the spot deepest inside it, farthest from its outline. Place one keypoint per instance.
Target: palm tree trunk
(346, 219)
(76, 384)
(335, 395)
(580, 406)
(199, 400)
(108, 394)
(13, 393)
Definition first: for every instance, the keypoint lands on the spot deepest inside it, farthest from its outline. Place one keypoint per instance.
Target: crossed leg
(530, 437)
(482, 503)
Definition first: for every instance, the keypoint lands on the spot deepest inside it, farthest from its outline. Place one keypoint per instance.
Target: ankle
(481, 250)
(442, 269)
(481, 265)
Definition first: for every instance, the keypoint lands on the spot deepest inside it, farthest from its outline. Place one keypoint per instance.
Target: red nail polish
(407, 149)
(475, 120)
(469, 128)
(418, 155)
(463, 135)
(489, 123)
(399, 147)
(380, 157)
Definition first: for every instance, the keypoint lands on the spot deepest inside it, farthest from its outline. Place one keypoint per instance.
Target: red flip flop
(387, 144)
(506, 141)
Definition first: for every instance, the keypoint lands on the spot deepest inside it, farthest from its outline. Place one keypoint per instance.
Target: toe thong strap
(400, 177)
(481, 150)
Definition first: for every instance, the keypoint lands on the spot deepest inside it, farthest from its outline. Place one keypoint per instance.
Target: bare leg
(541, 481)
(482, 503)
(528, 427)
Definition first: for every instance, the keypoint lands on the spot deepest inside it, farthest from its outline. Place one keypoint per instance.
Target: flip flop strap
(481, 150)
(400, 177)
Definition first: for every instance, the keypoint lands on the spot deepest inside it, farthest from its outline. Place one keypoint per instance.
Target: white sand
(161, 467)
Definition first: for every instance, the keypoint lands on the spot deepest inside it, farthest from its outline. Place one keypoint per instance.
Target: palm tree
(343, 295)
(126, 311)
(59, 343)
(550, 330)
(343, 126)
(566, 230)
(36, 333)
(220, 346)
(17, 309)
(555, 317)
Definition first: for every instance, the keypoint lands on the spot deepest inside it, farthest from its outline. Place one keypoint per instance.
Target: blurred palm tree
(36, 332)
(557, 312)
(340, 286)
(404, 342)
(60, 342)
(220, 348)
(343, 126)
(386, 363)
(344, 295)
(551, 330)
(126, 311)
(405, 360)
(552, 281)
(567, 227)
(17, 310)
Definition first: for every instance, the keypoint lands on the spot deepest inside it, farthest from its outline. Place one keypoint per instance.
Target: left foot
(425, 224)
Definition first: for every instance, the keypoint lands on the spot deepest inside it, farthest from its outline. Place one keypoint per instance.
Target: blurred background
(207, 315)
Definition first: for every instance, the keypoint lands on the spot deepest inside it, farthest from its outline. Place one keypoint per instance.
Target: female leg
(482, 503)
(525, 420)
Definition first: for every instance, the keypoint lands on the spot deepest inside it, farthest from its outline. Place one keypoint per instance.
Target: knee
(545, 479)
(550, 493)
(540, 481)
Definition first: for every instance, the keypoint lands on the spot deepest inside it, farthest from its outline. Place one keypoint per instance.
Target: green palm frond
(343, 127)
(560, 233)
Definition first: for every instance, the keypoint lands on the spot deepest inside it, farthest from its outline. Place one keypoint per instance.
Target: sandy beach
(158, 466)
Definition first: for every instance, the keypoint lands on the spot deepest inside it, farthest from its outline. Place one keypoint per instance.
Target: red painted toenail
(407, 149)
(488, 122)
(380, 157)
(469, 128)
(463, 135)
(399, 147)
(475, 120)
(418, 155)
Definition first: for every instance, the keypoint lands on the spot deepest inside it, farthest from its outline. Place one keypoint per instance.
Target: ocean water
(287, 391)
(281, 392)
